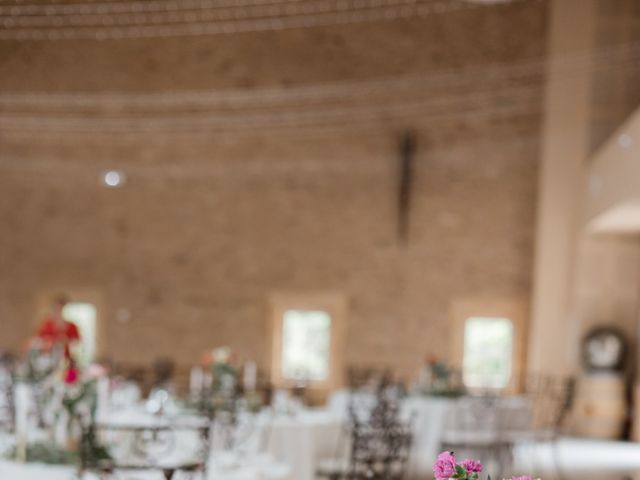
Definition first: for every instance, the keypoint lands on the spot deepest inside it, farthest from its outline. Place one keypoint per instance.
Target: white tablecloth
(301, 441)
(247, 470)
(427, 422)
(245, 466)
(35, 471)
(230, 466)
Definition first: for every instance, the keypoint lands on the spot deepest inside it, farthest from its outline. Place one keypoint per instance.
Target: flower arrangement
(437, 378)
(79, 395)
(448, 468)
(68, 401)
(69, 396)
(219, 388)
(224, 369)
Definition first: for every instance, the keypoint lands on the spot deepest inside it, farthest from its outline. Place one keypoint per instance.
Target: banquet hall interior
(319, 239)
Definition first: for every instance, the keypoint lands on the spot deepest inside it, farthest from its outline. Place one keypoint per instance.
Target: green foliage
(95, 454)
(86, 392)
(462, 474)
(48, 453)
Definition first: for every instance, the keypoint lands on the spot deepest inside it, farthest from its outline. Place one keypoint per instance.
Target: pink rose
(96, 371)
(472, 466)
(445, 466)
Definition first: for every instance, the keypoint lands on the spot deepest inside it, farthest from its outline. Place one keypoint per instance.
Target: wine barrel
(600, 406)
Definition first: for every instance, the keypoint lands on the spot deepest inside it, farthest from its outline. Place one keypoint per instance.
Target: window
(307, 341)
(306, 345)
(83, 315)
(488, 352)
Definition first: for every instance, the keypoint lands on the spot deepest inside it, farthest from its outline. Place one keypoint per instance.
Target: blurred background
(221, 208)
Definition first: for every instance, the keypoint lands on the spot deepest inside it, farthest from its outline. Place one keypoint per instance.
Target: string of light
(198, 168)
(525, 95)
(156, 6)
(238, 97)
(489, 96)
(466, 110)
(576, 64)
(463, 106)
(193, 27)
(307, 7)
(505, 102)
(114, 8)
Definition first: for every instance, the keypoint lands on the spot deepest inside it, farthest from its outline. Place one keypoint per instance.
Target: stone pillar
(564, 150)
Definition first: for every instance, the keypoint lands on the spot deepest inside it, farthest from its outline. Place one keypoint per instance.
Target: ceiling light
(113, 178)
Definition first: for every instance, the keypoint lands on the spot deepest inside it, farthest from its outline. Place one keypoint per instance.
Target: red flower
(206, 359)
(71, 376)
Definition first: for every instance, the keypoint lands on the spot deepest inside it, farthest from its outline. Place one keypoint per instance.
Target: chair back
(7, 396)
(379, 452)
(550, 398)
(472, 418)
(169, 448)
(380, 442)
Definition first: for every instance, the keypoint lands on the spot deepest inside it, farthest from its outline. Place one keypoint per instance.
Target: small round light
(113, 178)
(625, 140)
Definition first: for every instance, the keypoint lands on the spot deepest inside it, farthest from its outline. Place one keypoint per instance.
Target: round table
(35, 471)
(301, 440)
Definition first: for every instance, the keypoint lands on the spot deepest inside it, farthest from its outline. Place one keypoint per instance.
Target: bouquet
(224, 369)
(220, 381)
(447, 468)
(69, 397)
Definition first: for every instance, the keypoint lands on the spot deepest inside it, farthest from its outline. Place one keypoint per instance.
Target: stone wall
(210, 223)
(616, 84)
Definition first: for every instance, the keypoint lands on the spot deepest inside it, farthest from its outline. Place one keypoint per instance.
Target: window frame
(465, 352)
(335, 306)
(515, 309)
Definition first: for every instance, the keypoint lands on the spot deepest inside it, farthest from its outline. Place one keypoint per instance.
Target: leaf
(461, 472)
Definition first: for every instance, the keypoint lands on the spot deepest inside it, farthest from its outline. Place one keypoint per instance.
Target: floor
(580, 459)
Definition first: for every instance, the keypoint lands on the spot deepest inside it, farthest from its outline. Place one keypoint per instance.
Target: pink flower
(445, 466)
(96, 371)
(472, 466)
(71, 375)
(524, 477)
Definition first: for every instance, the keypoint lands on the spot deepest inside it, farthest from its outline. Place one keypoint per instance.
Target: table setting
(75, 421)
(79, 421)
